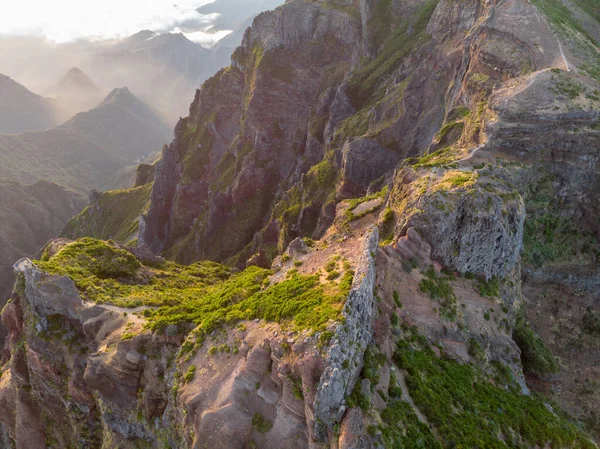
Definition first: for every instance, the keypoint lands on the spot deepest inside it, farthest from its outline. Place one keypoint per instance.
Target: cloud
(70, 20)
(207, 37)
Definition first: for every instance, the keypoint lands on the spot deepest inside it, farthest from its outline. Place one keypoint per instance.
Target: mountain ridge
(22, 110)
(87, 150)
(375, 229)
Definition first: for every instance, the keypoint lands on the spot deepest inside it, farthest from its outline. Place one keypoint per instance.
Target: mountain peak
(75, 78)
(6, 82)
(119, 95)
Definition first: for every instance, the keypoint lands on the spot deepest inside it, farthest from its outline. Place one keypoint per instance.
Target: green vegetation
(387, 227)
(590, 7)
(397, 299)
(565, 86)
(535, 356)
(549, 238)
(358, 399)
(373, 361)
(401, 428)
(455, 178)
(469, 410)
(394, 390)
(322, 176)
(325, 338)
(261, 424)
(299, 299)
(562, 18)
(568, 27)
(204, 293)
(119, 211)
(196, 144)
(127, 336)
(318, 189)
(355, 125)
(355, 202)
(296, 383)
(409, 265)
(490, 288)
(333, 275)
(439, 289)
(104, 272)
(92, 257)
(447, 128)
(441, 157)
(226, 168)
(191, 373)
(476, 350)
(591, 322)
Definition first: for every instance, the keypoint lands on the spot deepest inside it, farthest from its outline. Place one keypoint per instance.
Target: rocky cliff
(402, 193)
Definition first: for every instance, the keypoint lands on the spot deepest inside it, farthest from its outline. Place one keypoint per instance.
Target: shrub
(358, 399)
(191, 373)
(261, 424)
(396, 297)
(591, 322)
(204, 293)
(489, 288)
(440, 289)
(469, 411)
(535, 356)
(476, 350)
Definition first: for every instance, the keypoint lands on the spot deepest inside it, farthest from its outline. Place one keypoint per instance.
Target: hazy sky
(69, 20)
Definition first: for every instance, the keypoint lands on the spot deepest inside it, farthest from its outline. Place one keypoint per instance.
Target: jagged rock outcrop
(225, 158)
(473, 221)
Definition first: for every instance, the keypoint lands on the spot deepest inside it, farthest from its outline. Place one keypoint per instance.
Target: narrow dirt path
(560, 47)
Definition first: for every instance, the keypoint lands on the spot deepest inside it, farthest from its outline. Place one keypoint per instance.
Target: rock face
(480, 232)
(218, 180)
(344, 357)
(463, 136)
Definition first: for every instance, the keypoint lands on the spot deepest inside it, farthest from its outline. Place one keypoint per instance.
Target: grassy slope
(467, 405)
(204, 293)
(116, 218)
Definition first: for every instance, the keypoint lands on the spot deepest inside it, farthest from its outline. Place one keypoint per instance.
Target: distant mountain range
(161, 68)
(88, 150)
(22, 110)
(49, 159)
